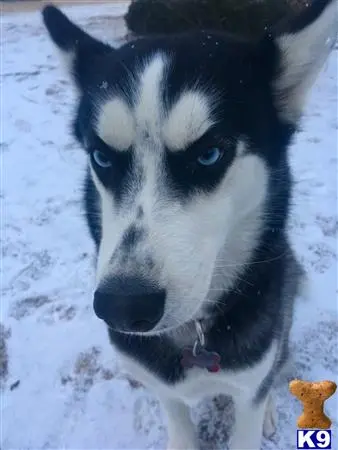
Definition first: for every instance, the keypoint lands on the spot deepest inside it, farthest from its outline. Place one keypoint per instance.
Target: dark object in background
(15, 385)
(249, 18)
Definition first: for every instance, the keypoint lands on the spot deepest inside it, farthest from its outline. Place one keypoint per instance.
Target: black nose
(129, 304)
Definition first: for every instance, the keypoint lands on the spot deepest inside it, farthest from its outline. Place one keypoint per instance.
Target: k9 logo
(314, 439)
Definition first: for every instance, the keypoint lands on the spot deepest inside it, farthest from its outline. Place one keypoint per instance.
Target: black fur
(131, 238)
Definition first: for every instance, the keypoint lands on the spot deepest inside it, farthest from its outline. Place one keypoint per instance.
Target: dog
(187, 198)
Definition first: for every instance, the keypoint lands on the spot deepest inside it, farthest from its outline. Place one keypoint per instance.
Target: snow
(61, 385)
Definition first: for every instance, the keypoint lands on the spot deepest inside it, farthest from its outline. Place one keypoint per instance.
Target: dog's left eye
(210, 157)
(101, 159)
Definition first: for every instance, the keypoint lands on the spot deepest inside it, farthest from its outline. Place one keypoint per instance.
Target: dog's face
(186, 138)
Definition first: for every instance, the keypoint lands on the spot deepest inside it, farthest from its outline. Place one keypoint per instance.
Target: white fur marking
(112, 228)
(181, 431)
(188, 120)
(115, 125)
(270, 418)
(149, 108)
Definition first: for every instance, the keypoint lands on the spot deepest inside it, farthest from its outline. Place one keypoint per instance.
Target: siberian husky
(187, 198)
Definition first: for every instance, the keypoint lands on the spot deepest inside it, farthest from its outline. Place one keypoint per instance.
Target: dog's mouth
(182, 334)
(143, 331)
(163, 328)
(142, 328)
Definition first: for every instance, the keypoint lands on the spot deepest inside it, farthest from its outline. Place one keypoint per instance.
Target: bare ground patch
(56, 313)
(87, 370)
(4, 335)
(328, 225)
(28, 306)
(322, 256)
(310, 350)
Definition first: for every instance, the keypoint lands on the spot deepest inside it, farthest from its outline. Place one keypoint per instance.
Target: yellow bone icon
(313, 396)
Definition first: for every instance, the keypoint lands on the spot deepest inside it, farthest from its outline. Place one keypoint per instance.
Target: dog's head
(186, 139)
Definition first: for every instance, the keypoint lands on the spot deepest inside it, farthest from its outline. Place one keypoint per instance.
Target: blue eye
(101, 159)
(210, 157)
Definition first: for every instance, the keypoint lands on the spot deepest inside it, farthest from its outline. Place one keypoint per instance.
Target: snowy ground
(61, 386)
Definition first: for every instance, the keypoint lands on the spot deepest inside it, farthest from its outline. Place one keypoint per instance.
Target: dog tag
(203, 359)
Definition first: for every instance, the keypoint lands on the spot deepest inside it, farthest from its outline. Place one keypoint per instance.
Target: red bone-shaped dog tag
(204, 359)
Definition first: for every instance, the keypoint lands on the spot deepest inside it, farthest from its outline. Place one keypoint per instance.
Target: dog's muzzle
(129, 304)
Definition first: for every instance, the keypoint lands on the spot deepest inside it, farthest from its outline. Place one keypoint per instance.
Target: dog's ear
(303, 46)
(78, 49)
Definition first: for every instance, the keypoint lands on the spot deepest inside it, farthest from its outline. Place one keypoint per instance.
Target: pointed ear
(78, 49)
(304, 45)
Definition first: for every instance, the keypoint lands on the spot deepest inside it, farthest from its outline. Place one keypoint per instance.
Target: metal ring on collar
(200, 333)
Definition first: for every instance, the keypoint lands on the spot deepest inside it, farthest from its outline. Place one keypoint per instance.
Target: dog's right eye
(101, 159)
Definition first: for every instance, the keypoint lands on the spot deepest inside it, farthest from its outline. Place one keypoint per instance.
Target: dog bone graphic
(312, 395)
(203, 359)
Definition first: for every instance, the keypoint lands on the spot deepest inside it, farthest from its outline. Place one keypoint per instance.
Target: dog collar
(198, 356)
